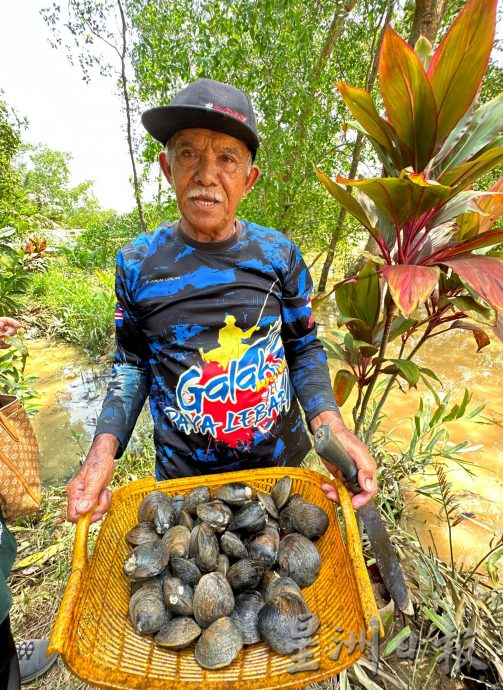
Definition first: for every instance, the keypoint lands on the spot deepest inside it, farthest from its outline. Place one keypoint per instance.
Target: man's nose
(207, 171)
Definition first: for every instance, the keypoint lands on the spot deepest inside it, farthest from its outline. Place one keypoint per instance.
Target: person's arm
(308, 367)
(126, 395)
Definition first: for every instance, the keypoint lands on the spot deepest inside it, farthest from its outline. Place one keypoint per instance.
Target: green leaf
(361, 298)
(429, 385)
(460, 61)
(408, 97)
(410, 285)
(407, 369)
(424, 50)
(356, 327)
(362, 106)
(344, 382)
(443, 625)
(463, 175)
(492, 564)
(492, 205)
(403, 635)
(347, 201)
(402, 199)
(476, 311)
(399, 326)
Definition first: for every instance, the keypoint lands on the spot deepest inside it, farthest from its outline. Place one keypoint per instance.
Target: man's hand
(358, 451)
(89, 486)
(8, 327)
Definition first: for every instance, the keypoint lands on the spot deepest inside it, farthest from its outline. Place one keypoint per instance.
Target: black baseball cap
(207, 104)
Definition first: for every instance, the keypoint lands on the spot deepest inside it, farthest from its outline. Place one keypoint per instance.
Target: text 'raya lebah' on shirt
(221, 337)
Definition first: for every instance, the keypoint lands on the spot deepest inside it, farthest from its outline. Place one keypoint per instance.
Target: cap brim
(164, 121)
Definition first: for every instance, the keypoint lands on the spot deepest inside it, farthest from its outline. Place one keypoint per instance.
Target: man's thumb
(89, 498)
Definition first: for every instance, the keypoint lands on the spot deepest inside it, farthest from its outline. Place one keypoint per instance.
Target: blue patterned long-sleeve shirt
(221, 337)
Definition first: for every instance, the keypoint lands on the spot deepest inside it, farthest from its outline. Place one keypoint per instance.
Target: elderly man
(213, 320)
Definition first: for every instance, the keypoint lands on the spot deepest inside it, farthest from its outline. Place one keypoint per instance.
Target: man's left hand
(358, 451)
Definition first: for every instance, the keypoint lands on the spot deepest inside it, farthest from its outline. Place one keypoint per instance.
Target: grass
(75, 306)
(443, 595)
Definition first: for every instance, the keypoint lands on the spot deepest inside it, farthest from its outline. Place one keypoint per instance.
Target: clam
(213, 598)
(176, 540)
(234, 493)
(281, 585)
(154, 583)
(219, 644)
(185, 520)
(178, 596)
(142, 533)
(232, 545)
(299, 559)
(281, 491)
(249, 518)
(223, 564)
(156, 507)
(268, 502)
(147, 610)
(206, 548)
(287, 515)
(215, 513)
(246, 574)
(193, 541)
(178, 502)
(269, 576)
(201, 494)
(286, 623)
(245, 615)
(185, 569)
(178, 633)
(309, 519)
(263, 546)
(146, 560)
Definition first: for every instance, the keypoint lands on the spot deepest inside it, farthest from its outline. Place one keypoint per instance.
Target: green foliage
(13, 380)
(10, 142)
(77, 307)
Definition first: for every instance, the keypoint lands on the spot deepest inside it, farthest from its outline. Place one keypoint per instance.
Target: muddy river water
(71, 392)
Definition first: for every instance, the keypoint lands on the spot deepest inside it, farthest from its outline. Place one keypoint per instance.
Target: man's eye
(228, 159)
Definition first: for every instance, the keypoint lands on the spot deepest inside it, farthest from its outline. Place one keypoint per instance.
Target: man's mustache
(205, 192)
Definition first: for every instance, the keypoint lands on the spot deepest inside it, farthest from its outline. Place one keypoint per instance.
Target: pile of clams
(224, 570)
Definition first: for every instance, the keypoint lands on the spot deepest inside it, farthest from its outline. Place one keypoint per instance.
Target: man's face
(210, 172)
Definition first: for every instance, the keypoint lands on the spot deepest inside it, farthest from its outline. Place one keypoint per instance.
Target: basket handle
(67, 610)
(354, 549)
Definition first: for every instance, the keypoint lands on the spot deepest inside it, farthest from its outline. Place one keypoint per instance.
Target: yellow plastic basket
(95, 638)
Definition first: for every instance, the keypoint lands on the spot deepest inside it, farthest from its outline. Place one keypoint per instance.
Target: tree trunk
(427, 17)
(371, 77)
(127, 104)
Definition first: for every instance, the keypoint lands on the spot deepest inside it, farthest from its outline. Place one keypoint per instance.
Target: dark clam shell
(219, 644)
(185, 569)
(223, 564)
(245, 574)
(285, 623)
(146, 560)
(178, 502)
(245, 615)
(263, 546)
(206, 548)
(281, 585)
(178, 596)
(201, 494)
(147, 610)
(176, 541)
(178, 633)
(299, 559)
(309, 520)
(232, 545)
(142, 533)
(268, 503)
(185, 520)
(234, 493)
(281, 491)
(215, 513)
(269, 576)
(193, 541)
(249, 518)
(156, 507)
(213, 598)
(287, 515)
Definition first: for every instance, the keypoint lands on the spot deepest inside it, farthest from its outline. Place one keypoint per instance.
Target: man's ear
(166, 167)
(252, 178)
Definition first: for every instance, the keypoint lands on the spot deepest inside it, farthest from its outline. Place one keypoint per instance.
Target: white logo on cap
(209, 105)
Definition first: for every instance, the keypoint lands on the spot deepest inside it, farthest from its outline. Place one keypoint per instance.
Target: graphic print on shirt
(239, 389)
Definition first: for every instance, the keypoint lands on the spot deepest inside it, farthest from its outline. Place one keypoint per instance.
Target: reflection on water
(71, 394)
(452, 356)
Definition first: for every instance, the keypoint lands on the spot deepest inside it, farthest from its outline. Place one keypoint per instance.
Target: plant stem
(377, 369)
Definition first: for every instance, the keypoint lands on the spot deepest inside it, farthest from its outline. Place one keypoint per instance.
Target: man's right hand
(89, 486)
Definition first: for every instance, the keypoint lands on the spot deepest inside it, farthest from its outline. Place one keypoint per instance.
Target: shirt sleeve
(307, 362)
(129, 382)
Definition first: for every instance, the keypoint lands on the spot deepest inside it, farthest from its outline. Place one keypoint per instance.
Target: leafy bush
(77, 307)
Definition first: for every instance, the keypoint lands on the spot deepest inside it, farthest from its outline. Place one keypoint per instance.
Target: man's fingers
(330, 492)
(103, 505)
